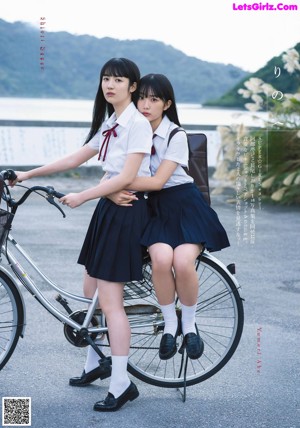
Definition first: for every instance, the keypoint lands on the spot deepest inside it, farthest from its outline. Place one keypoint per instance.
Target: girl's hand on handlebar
(123, 198)
(21, 176)
(72, 200)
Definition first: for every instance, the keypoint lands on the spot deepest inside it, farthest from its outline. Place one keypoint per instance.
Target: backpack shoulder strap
(173, 132)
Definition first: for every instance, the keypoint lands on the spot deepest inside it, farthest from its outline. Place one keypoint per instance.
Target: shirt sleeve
(178, 149)
(94, 143)
(140, 137)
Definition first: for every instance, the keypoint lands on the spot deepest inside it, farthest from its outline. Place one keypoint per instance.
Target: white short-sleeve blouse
(134, 135)
(177, 151)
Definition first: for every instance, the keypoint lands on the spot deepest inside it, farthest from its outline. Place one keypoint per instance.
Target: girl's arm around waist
(157, 181)
(106, 187)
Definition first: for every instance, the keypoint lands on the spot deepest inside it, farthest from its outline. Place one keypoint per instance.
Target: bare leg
(185, 273)
(92, 370)
(187, 283)
(164, 284)
(89, 285)
(92, 359)
(111, 302)
(162, 274)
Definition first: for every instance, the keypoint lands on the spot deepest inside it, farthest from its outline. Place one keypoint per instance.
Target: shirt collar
(163, 128)
(124, 118)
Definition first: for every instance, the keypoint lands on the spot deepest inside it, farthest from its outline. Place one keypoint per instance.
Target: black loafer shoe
(167, 347)
(101, 372)
(194, 345)
(111, 404)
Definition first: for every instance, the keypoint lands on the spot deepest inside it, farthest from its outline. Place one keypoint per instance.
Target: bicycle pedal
(105, 365)
(106, 373)
(105, 362)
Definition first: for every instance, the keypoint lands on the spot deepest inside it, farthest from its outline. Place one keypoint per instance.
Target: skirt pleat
(180, 215)
(112, 250)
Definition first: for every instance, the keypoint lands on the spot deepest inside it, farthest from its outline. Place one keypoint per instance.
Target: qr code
(16, 411)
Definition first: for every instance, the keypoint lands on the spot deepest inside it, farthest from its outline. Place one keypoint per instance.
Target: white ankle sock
(119, 380)
(92, 359)
(188, 319)
(170, 318)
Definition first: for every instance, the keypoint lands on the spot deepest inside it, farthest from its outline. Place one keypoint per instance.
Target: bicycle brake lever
(51, 201)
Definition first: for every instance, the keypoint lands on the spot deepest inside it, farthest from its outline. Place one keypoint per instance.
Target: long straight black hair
(158, 85)
(117, 67)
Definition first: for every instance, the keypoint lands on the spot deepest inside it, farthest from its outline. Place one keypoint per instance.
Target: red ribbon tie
(107, 135)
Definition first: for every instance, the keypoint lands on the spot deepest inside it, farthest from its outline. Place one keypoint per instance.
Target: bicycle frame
(29, 284)
(24, 278)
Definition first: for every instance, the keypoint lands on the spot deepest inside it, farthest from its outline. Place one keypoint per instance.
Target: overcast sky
(210, 30)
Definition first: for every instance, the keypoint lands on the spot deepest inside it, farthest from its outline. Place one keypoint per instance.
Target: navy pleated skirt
(112, 250)
(180, 215)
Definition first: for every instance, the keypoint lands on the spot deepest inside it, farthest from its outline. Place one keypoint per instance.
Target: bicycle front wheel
(219, 318)
(11, 318)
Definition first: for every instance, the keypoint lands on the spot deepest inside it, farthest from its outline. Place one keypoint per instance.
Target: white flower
(297, 180)
(291, 53)
(268, 182)
(291, 67)
(291, 59)
(288, 98)
(289, 179)
(278, 195)
(257, 99)
(254, 84)
(267, 89)
(244, 92)
(252, 106)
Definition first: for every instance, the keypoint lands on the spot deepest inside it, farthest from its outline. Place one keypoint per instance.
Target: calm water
(81, 110)
(34, 145)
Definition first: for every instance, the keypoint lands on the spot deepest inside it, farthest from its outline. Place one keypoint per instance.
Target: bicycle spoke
(11, 318)
(219, 318)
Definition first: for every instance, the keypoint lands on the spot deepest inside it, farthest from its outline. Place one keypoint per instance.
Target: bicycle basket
(139, 289)
(6, 219)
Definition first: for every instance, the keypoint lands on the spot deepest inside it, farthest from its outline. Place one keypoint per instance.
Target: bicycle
(219, 315)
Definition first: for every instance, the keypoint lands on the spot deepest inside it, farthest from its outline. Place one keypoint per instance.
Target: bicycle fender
(223, 267)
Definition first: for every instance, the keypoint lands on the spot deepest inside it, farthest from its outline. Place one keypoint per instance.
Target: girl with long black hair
(121, 137)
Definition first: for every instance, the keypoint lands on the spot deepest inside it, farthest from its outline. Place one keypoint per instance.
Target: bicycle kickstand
(183, 366)
(104, 362)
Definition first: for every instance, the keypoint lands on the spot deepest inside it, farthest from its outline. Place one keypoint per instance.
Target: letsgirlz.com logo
(265, 6)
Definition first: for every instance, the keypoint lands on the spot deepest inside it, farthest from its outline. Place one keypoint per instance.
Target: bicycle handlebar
(9, 174)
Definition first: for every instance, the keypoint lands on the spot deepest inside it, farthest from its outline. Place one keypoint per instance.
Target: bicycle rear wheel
(11, 318)
(219, 319)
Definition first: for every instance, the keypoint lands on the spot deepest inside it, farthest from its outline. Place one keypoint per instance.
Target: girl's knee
(162, 263)
(184, 265)
(161, 257)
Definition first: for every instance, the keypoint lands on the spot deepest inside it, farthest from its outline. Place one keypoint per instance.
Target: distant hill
(73, 63)
(286, 83)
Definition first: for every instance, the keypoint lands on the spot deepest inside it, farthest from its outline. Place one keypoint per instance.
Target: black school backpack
(198, 168)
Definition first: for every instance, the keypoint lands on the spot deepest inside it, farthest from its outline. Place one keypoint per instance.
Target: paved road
(244, 394)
